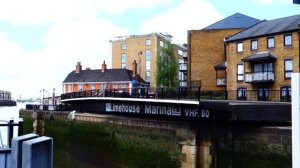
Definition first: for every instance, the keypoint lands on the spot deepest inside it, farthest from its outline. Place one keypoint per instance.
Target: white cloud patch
(267, 2)
(190, 14)
(67, 42)
(36, 12)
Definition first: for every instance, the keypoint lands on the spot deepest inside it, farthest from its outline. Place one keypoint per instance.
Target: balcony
(221, 81)
(182, 67)
(259, 77)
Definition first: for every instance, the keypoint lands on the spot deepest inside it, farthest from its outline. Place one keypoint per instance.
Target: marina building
(145, 49)
(206, 51)
(261, 58)
(119, 79)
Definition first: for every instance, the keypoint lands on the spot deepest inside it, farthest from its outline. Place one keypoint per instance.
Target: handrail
(182, 94)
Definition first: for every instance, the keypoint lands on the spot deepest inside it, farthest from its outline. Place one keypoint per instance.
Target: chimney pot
(134, 68)
(78, 67)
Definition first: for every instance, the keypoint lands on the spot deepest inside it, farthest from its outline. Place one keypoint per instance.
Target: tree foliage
(167, 67)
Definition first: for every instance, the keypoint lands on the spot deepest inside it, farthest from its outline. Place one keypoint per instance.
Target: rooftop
(268, 27)
(110, 75)
(160, 34)
(234, 21)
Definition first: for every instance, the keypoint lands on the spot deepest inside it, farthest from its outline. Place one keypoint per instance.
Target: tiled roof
(236, 21)
(266, 55)
(110, 75)
(268, 27)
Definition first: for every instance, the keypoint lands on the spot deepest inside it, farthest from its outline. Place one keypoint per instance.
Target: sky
(42, 40)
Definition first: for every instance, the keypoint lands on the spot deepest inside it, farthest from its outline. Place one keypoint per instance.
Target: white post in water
(296, 119)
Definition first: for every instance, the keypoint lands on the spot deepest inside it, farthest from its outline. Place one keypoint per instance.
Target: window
(123, 85)
(115, 86)
(161, 44)
(288, 40)
(240, 72)
(148, 65)
(242, 94)
(92, 86)
(271, 42)
(80, 86)
(286, 93)
(265, 67)
(69, 88)
(180, 52)
(123, 60)
(123, 46)
(239, 47)
(288, 68)
(262, 94)
(253, 45)
(147, 42)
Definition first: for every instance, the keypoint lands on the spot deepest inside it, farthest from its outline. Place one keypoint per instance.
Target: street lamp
(139, 64)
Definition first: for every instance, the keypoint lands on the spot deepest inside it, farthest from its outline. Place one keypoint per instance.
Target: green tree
(167, 67)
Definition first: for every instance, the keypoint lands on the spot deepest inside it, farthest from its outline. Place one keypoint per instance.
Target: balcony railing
(221, 81)
(182, 67)
(259, 77)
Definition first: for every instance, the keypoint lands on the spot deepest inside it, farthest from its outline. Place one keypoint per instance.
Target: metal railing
(221, 81)
(5, 152)
(259, 77)
(184, 94)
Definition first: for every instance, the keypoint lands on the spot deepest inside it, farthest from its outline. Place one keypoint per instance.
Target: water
(6, 114)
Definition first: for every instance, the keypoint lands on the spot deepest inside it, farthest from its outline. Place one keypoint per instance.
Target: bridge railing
(5, 151)
(193, 93)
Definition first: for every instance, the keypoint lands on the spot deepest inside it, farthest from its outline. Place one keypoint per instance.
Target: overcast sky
(42, 40)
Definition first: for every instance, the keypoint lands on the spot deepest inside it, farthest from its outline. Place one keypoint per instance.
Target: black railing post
(199, 94)
(20, 129)
(226, 95)
(162, 93)
(178, 97)
(10, 132)
(114, 92)
(211, 95)
(147, 90)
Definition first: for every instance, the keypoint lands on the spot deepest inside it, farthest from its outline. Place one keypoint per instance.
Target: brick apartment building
(206, 51)
(261, 58)
(145, 50)
(119, 79)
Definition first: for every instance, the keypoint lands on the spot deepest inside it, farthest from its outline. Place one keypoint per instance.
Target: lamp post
(139, 64)
(43, 97)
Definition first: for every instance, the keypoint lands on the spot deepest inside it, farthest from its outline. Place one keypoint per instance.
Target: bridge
(179, 105)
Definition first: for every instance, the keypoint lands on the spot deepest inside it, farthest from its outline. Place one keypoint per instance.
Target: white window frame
(271, 42)
(148, 42)
(288, 40)
(240, 72)
(239, 47)
(123, 46)
(254, 45)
